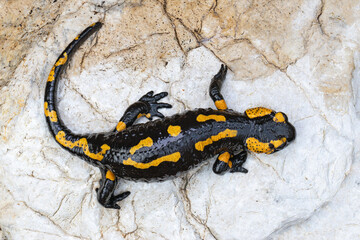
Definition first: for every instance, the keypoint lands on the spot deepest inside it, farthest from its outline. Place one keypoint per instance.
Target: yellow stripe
(61, 61)
(203, 118)
(51, 114)
(51, 75)
(82, 143)
(147, 142)
(224, 134)
(174, 157)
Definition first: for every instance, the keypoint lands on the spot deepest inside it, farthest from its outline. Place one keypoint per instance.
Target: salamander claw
(222, 72)
(152, 99)
(113, 200)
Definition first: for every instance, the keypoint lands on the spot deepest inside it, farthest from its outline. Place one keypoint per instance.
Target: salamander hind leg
(215, 87)
(238, 160)
(226, 162)
(147, 106)
(105, 194)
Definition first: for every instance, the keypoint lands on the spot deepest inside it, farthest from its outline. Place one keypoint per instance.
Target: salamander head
(270, 130)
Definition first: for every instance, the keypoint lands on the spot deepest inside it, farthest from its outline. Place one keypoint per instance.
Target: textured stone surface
(299, 57)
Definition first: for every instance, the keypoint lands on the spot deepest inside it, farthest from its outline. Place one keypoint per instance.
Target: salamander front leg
(146, 106)
(153, 107)
(222, 163)
(105, 194)
(215, 87)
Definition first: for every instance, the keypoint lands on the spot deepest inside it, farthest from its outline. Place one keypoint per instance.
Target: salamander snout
(291, 132)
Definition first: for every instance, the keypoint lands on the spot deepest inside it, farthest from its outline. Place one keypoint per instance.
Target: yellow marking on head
(120, 126)
(203, 118)
(225, 157)
(279, 117)
(77, 38)
(110, 175)
(174, 157)
(278, 143)
(93, 24)
(51, 114)
(61, 61)
(174, 130)
(81, 143)
(147, 142)
(256, 146)
(220, 104)
(224, 134)
(257, 112)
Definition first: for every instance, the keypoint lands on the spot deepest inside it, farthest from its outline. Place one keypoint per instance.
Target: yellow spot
(93, 24)
(51, 75)
(220, 104)
(120, 126)
(224, 134)
(224, 157)
(51, 114)
(258, 112)
(61, 61)
(110, 175)
(77, 38)
(174, 157)
(81, 143)
(203, 118)
(147, 142)
(147, 115)
(174, 130)
(256, 146)
(279, 117)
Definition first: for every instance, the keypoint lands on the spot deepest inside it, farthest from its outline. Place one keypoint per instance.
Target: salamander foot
(151, 99)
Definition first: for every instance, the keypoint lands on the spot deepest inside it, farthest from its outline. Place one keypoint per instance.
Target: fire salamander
(158, 149)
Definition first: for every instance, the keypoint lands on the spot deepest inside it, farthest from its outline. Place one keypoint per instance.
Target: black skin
(167, 146)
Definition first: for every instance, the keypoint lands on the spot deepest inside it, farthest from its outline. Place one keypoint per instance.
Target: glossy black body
(192, 132)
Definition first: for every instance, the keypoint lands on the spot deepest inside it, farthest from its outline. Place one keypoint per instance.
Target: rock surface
(299, 57)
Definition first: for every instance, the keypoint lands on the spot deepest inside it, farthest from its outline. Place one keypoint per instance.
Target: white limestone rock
(295, 58)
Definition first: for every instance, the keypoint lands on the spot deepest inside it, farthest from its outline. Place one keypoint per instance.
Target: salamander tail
(61, 133)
